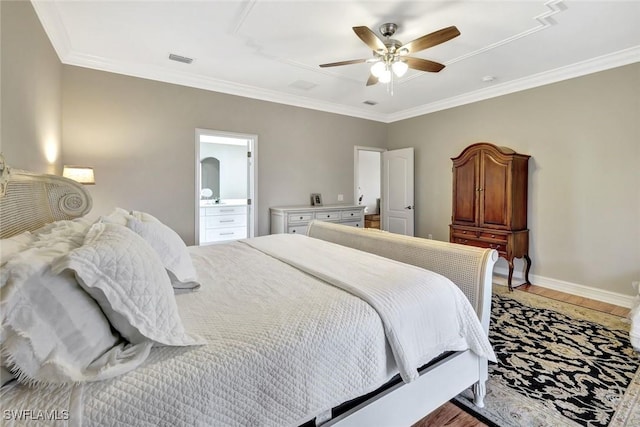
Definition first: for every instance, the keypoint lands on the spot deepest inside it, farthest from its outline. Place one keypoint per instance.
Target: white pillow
(118, 216)
(171, 249)
(53, 331)
(14, 244)
(127, 279)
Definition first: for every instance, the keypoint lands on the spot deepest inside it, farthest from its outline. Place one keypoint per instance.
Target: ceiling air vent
(178, 58)
(369, 102)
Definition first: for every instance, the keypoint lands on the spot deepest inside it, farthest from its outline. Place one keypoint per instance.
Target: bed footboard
(469, 268)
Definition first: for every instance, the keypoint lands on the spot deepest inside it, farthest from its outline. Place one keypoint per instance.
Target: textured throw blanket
(424, 314)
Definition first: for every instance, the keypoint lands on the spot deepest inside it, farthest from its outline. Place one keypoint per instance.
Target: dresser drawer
(225, 210)
(351, 214)
(298, 229)
(217, 221)
(357, 224)
(328, 215)
(222, 234)
(301, 217)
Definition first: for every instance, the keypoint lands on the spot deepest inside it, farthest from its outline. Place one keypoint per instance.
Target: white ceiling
(267, 49)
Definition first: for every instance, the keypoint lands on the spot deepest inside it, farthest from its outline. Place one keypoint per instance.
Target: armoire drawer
(500, 247)
(494, 236)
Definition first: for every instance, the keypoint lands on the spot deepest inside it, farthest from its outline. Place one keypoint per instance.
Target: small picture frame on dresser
(316, 199)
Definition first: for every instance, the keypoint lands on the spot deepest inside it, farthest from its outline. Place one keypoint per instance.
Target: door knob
(408, 207)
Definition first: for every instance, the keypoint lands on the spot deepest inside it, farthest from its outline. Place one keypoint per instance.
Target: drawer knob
(328, 216)
(293, 231)
(464, 232)
(301, 217)
(493, 235)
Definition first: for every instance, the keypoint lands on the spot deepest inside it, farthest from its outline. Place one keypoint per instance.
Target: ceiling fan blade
(336, 64)
(423, 64)
(372, 80)
(370, 38)
(432, 39)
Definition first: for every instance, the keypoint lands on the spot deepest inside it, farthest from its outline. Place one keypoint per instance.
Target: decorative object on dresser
(316, 199)
(490, 202)
(372, 221)
(296, 219)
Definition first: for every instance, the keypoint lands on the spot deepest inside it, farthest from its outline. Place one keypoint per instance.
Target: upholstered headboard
(30, 200)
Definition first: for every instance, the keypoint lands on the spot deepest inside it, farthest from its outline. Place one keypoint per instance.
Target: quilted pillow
(52, 331)
(127, 279)
(170, 247)
(118, 216)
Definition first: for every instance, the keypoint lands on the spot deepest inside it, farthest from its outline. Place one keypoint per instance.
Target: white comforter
(424, 314)
(282, 346)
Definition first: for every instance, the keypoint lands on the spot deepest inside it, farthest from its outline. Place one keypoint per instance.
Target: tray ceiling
(271, 50)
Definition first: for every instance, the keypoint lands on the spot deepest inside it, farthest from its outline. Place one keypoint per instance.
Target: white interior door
(397, 191)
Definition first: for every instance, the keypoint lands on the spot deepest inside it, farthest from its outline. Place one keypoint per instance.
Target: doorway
(383, 183)
(226, 165)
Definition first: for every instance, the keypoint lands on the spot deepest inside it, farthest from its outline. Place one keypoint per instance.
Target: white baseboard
(500, 277)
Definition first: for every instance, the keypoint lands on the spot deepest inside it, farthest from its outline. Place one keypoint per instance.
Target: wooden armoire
(490, 202)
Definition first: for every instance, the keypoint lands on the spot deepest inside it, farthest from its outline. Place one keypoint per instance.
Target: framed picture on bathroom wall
(316, 199)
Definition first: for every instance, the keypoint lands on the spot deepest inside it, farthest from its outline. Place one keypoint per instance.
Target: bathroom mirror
(210, 176)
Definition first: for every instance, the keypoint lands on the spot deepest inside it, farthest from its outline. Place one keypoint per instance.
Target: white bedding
(424, 314)
(281, 347)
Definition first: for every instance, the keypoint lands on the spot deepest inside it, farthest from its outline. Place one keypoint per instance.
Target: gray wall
(584, 176)
(139, 135)
(31, 91)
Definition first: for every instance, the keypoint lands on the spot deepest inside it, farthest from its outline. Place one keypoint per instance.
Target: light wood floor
(451, 416)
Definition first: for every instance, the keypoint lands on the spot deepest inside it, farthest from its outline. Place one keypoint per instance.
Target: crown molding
(215, 85)
(605, 62)
(601, 63)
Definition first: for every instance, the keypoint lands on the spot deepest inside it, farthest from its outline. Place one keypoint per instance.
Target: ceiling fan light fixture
(378, 69)
(399, 68)
(385, 77)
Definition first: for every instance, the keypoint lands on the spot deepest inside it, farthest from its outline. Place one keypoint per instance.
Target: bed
(343, 327)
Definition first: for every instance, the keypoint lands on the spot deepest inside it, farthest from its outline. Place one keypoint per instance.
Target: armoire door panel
(465, 192)
(494, 192)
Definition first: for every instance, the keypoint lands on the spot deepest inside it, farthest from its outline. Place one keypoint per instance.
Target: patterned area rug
(558, 365)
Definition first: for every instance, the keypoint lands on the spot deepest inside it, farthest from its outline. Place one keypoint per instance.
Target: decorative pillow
(127, 279)
(171, 249)
(118, 216)
(53, 331)
(144, 217)
(12, 245)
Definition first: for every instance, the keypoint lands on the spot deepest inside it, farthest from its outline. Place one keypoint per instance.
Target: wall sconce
(82, 174)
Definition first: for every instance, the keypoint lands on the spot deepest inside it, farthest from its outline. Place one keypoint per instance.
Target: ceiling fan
(390, 56)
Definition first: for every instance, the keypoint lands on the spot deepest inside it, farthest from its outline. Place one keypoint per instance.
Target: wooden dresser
(490, 202)
(295, 219)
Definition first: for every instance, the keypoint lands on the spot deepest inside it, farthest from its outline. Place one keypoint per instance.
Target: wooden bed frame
(29, 201)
